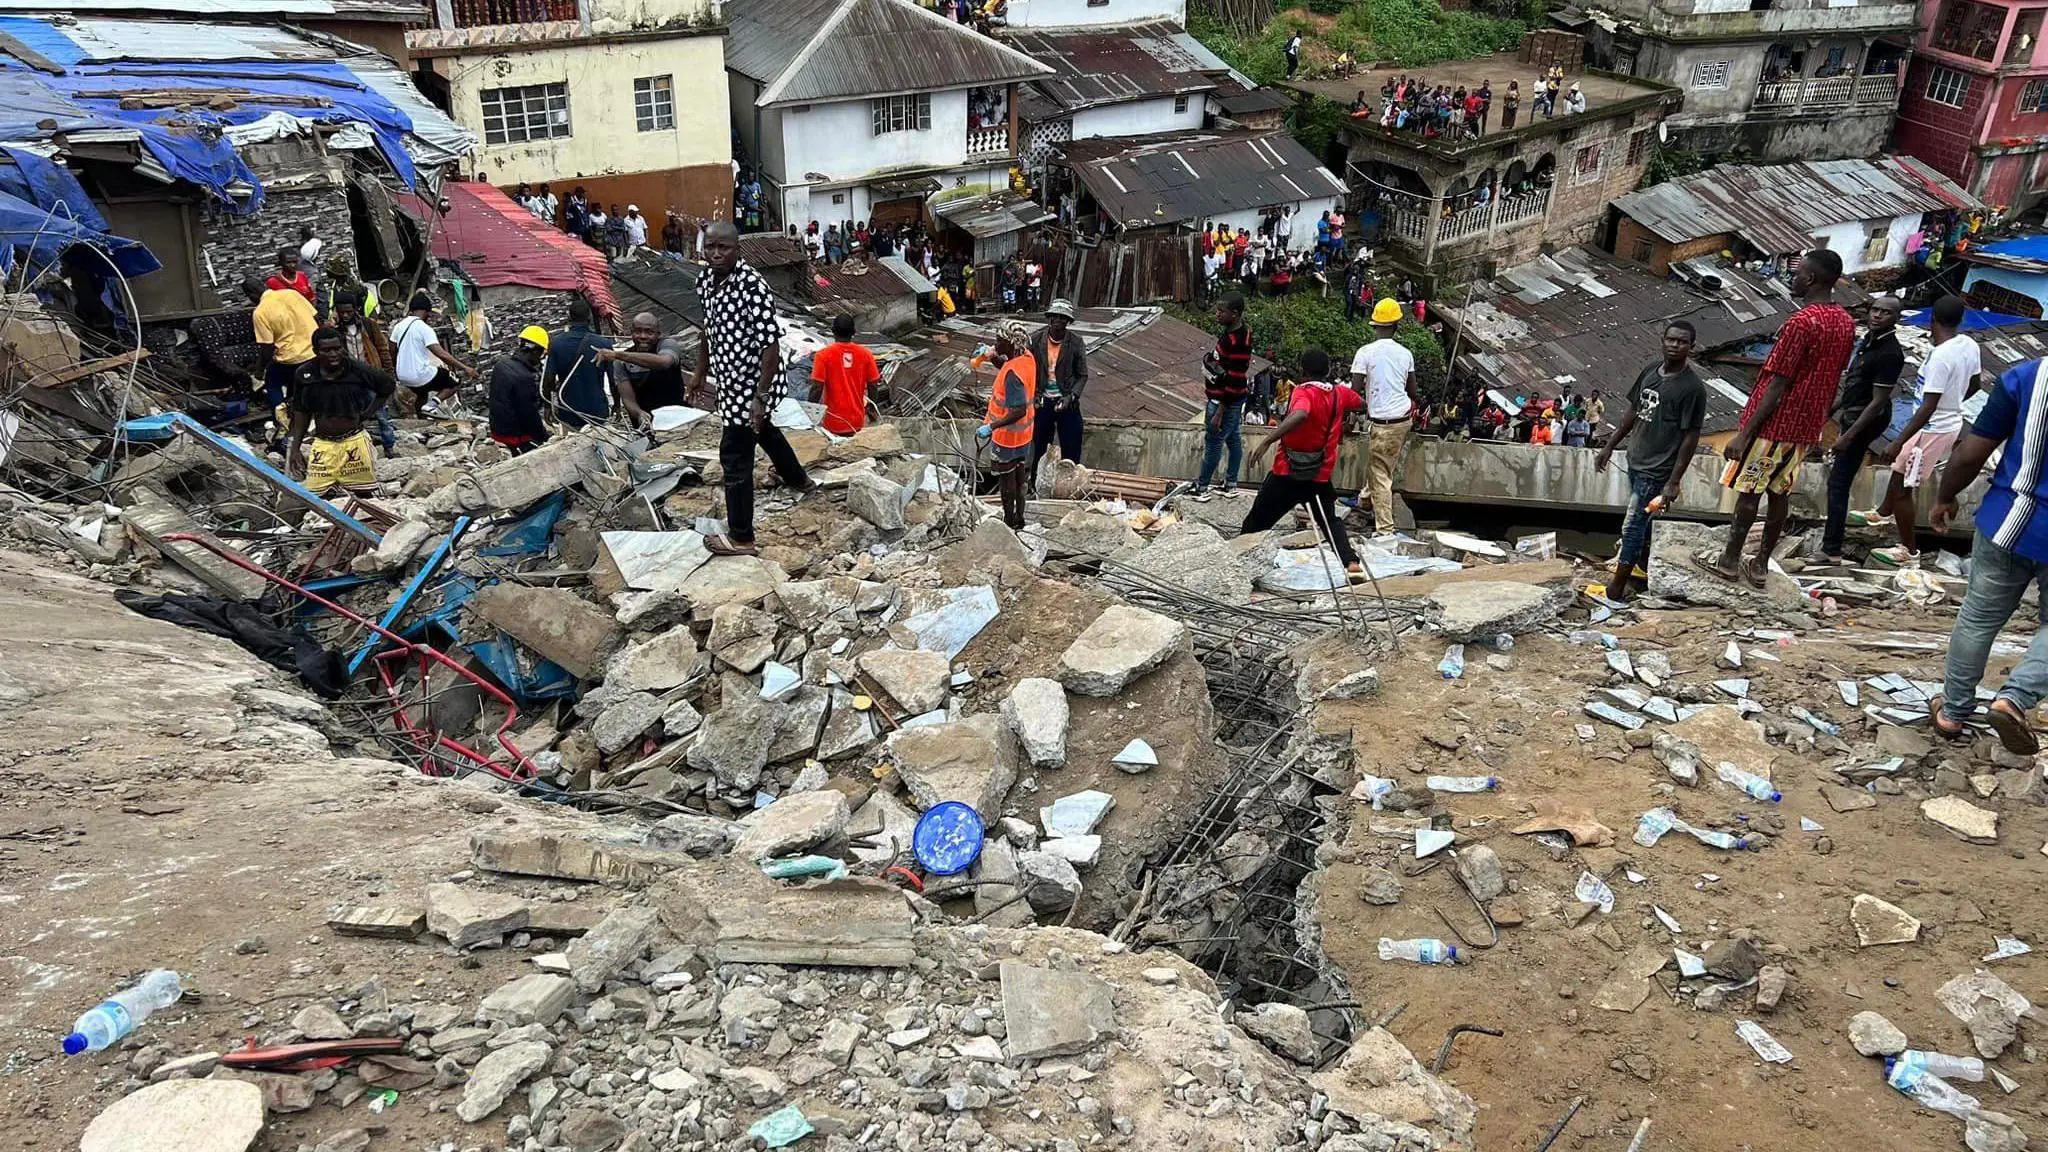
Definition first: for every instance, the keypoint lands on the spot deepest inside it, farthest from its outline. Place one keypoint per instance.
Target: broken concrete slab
(1052, 1013)
(151, 515)
(1036, 710)
(1482, 609)
(1721, 733)
(735, 915)
(319, 1022)
(538, 998)
(1086, 532)
(402, 541)
(973, 761)
(646, 561)
(1878, 922)
(615, 942)
(1195, 556)
(467, 917)
(571, 854)
(554, 622)
(1962, 819)
(518, 481)
(1675, 575)
(1076, 815)
(1873, 1035)
(996, 897)
(499, 1074)
(179, 1116)
(1847, 799)
(799, 723)
(653, 665)
(694, 833)
(1379, 1077)
(1121, 645)
(1048, 880)
(734, 741)
(946, 620)
(1080, 851)
(742, 638)
(732, 580)
(625, 720)
(1479, 867)
(915, 679)
(847, 730)
(794, 824)
(878, 500)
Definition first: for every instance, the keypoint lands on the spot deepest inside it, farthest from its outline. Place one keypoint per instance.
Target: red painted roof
(497, 242)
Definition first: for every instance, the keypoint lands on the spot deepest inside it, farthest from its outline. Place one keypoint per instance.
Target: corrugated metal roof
(1582, 321)
(772, 250)
(1779, 207)
(1148, 181)
(1096, 67)
(997, 214)
(811, 51)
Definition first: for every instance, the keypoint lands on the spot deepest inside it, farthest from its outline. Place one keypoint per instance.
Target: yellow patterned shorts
(1769, 466)
(334, 464)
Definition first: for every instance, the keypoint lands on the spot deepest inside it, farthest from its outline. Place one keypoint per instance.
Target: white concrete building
(862, 110)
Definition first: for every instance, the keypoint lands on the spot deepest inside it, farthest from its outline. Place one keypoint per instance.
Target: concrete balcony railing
(1687, 22)
(988, 143)
(1820, 93)
(1528, 206)
(1425, 232)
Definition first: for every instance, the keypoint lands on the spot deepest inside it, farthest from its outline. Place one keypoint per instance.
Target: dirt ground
(1684, 1068)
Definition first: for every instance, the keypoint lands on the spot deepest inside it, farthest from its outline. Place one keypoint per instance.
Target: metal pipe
(1578, 1102)
(1443, 1054)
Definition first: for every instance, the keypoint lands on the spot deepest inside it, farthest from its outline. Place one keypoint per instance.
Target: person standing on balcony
(1229, 383)
(1384, 372)
(1293, 54)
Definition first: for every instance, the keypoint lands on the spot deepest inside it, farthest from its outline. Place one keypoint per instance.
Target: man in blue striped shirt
(2010, 552)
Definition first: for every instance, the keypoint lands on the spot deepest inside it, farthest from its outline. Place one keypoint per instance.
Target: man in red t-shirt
(1785, 415)
(1308, 437)
(844, 371)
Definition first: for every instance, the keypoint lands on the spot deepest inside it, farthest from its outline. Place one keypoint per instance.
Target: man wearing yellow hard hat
(515, 393)
(1384, 372)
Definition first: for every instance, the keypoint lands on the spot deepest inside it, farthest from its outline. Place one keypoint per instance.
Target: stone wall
(232, 247)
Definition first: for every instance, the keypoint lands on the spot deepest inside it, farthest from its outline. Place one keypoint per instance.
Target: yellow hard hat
(1387, 311)
(535, 335)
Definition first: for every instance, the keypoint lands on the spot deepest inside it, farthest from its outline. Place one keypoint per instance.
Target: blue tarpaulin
(44, 210)
(1973, 319)
(2022, 247)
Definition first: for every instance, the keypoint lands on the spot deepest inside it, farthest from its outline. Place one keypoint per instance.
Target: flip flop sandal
(1754, 574)
(724, 546)
(1944, 727)
(2014, 732)
(1710, 563)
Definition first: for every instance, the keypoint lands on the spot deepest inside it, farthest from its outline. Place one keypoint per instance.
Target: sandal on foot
(727, 546)
(1755, 574)
(1711, 564)
(1944, 727)
(2014, 731)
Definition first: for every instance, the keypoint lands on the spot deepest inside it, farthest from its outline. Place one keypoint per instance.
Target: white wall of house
(1139, 117)
(839, 139)
(1306, 213)
(1083, 13)
(857, 203)
(1852, 241)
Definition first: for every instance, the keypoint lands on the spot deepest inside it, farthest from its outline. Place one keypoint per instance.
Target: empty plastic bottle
(1654, 824)
(1423, 951)
(1928, 1090)
(1504, 642)
(118, 1015)
(1462, 783)
(1941, 1064)
(1757, 787)
(1585, 636)
(1373, 789)
(1453, 664)
(1713, 839)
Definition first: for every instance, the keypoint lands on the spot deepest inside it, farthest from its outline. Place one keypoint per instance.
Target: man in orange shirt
(1008, 424)
(844, 371)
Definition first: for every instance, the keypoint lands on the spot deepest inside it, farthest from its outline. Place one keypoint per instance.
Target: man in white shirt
(1384, 371)
(547, 203)
(636, 227)
(422, 364)
(1285, 230)
(1946, 380)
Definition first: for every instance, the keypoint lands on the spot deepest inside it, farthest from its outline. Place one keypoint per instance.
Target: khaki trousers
(1383, 455)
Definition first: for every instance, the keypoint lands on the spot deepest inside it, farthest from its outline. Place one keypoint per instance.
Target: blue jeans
(386, 434)
(1998, 579)
(1635, 526)
(1214, 438)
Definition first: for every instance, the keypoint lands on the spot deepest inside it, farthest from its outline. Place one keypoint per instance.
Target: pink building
(1975, 104)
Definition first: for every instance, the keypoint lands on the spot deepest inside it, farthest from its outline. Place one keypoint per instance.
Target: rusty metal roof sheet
(1148, 181)
(1777, 208)
(997, 214)
(1095, 67)
(1582, 321)
(810, 51)
(772, 250)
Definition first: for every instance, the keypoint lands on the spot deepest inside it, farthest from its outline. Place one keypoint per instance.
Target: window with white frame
(2032, 95)
(1711, 74)
(902, 113)
(654, 103)
(527, 112)
(1948, 86)
(1586, 162)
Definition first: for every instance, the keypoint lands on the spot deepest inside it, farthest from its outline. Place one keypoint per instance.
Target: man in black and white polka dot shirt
(740, 348)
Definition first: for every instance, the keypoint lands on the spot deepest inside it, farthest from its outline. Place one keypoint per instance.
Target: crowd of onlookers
(1413, 104)
(1571, 419)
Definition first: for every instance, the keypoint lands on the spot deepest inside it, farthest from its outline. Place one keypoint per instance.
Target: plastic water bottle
(1713, 839)
(1941, 1064)
(1587, 636)
(1757, 787)
(1373, 789)
(1462, 783)
(1423, 951)
(1928, 1090)
(1654, 824)
(1453, 664)
(121, 1012)
(1504, 642)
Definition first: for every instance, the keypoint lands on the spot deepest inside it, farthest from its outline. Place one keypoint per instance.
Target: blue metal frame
(412, 589)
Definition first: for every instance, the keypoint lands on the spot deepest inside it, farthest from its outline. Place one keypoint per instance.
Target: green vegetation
(1284, 327)
(1677, 163)
(1411, 33)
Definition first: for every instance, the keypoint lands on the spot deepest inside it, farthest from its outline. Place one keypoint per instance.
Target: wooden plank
(68, 406)
(62, 376)
(381, 923)
(29, 56)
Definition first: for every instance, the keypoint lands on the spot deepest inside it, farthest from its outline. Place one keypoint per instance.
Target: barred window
(902, 113)
(1710, 74)
(528, 112)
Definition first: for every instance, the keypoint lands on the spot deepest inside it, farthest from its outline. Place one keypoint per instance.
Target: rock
(847, 729)
(1877, 922)
(1675, 576)
(1735, 960)
(194, 1067)
(878, 500)
(625, 720)
(734, 741)
(1873, 1035)
(1988, 1131)
(651, 611)
(996, 869)
(1963, 819)
(1380, 886)
(612, 944)
(654, 665)
(915, 679)
(1053, 1013)
(973, 761)
(179, 1116)
(1086, 532)
(554, 622)
(589, 1130)
(1049, 882)
(1284, 1028)
(1195, 556)
(1479, 868)
(1993, 1028)
(1080, 851)
(700, 836)
(1893, 740)
(794, 824)
(538, 998)
(346, 1140)
(402, 541)
(799, 724)
(2021, 784)
(681, 719)
(319, 1022)
(1483, 609)
(498, 1075)
(1036, 710)
(1122, 644)
(1772, 982)
(742, 638)
(732, 580)
(1076, 815)
(467, 917)
(1847, 799)
(809, 603)
(1379, 1077)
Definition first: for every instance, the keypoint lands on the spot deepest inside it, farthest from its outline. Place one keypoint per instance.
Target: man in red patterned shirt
(1785, 414)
